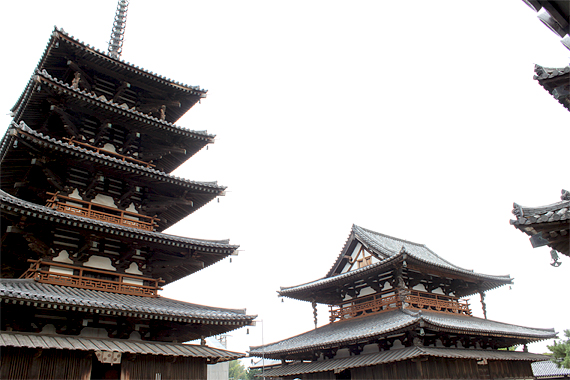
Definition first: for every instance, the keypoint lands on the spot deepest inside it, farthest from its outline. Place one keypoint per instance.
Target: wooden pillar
(483, 305)
(314, 304)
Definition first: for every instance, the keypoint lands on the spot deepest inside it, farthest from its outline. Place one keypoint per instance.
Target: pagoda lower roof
(551, 220)
(56, 55)
(32, 110)
(10, 203)
(59, 342)
(397, 355)
(369, 328)
(68, 298)
(203, 192)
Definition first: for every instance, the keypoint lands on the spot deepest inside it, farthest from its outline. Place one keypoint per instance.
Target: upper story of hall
(376, 273)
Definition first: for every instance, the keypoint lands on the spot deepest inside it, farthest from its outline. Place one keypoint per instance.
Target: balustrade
(100, 212)
(87, 278)
(390, 299)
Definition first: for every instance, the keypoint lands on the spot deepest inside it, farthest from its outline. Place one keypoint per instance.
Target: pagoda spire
(118, 32)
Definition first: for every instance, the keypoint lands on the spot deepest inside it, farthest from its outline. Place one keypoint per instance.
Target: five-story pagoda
(85, 195)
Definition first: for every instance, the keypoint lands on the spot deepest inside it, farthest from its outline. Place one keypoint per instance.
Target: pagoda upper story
(82, 94)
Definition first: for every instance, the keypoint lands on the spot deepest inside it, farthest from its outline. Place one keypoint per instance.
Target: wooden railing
(86, 278)
(437, 302)
(389, 300)
(100, 212)
(109, 153)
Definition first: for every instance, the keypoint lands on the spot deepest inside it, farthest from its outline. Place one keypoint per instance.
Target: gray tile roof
(542, 73)
(103, 59)
(550, 222)
(63, 297)
(382, 324)
(10, 203)
(554, 212)
(389, 249)
(57, 33)
(110, 161)
(555, 81)
(28, 340)
(547, 369)
(395, 356)
(44, 76)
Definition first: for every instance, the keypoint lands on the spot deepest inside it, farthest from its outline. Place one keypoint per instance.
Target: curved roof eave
(204, 186)
(9, 201)
(102, 102)
(58, 33)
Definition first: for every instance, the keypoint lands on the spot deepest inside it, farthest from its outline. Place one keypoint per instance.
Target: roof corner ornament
(517, 210)
(118, 32)
(565, 195)
(554, 255)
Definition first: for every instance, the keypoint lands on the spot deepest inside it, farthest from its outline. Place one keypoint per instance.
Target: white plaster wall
(100, 262)
(63, 257)
(366, 292)
(133, 269)
(342, 353)
(104, 200)
(75, 194)
(438, 291)
(92, 332)
(131, 208)
(110, 148)
(370, 349)
(397, 344)
(420, 287)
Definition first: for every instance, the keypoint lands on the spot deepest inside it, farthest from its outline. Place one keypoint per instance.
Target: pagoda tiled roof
(375, 326)
(390, 250)
(104, 104)
(11, 203)
(66, 342)
(64, 297)
(391, 356)
(555, 81)
(127, 70)
(116, 162)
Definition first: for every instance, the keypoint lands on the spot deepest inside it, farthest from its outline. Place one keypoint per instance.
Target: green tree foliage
(252, 372)
(561, 351)
(237, 371)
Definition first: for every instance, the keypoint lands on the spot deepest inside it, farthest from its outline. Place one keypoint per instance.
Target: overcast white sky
(416, 119)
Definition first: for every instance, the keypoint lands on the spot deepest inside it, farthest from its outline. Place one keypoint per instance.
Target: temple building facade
(85, 195)
(397, 311)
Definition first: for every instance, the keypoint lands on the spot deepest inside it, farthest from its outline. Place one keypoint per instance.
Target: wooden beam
(124, 85)
(86, 79)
